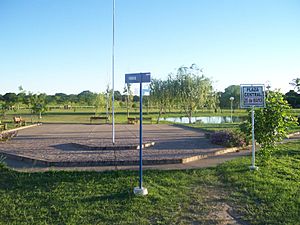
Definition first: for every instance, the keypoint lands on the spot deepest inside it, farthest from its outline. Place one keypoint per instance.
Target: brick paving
(59, 144)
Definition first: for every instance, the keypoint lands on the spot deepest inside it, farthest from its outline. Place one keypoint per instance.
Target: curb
(20, 128)
(41, 162)
(218, 152)
(293, 134)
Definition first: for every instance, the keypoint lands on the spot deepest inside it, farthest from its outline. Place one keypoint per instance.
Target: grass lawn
(270, 195)
(83, 115)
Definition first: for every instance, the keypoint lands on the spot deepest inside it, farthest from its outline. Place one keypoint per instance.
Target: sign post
(139, 78)
(252, 95)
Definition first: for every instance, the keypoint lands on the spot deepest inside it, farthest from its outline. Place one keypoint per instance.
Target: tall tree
(10, 99)
(87, 97)
(158, 95)
(99, 102)
(230, 91)
(129, 98)
(193, 89)
(296, 83)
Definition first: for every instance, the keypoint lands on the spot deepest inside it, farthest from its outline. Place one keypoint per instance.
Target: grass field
(270, 195)
(83, 115)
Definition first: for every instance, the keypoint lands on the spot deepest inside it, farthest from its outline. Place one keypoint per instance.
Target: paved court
(63, 145)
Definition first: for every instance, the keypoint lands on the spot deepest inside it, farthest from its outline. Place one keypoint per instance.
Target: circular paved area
(58, 144)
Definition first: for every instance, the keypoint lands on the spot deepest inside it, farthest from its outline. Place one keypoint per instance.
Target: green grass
(214, 127)
(270, 195)
(83, 115)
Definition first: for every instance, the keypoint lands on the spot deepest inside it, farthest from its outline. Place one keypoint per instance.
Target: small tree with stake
(271, 123)
(38, 104)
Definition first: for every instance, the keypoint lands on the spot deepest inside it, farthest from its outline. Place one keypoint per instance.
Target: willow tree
(159, 94)
(193, 89)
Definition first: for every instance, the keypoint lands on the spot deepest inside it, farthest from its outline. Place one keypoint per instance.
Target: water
(205, 119)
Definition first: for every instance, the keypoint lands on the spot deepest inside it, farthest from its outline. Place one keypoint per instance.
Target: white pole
(253, 167)
(231, 107)
(113, 74)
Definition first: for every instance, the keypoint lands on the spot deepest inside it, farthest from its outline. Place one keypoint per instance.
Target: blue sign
(137, 78)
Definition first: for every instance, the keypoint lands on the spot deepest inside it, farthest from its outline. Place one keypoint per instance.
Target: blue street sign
(137, 78)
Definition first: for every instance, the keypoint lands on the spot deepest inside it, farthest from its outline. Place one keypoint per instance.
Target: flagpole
(113, 74)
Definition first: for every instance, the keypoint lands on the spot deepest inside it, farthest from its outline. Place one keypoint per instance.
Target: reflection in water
(202, 119)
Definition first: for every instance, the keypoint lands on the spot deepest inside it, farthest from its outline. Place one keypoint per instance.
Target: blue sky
(65, 45)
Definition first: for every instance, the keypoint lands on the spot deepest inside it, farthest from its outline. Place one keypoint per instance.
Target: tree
(117, 96)
(87, 97)
(158, 95)
(99, 102)
(296, 83)
(271, 123)
(38, 103)
(21, 96)
(293, 98)
(61, 98)
(10, 99)
(230, 91)
(193, 89)
(129, 98)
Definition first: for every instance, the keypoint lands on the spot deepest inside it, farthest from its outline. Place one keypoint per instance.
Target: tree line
(186, 90)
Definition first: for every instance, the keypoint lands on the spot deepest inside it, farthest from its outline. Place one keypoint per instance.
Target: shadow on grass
(121, 196)
(290, 153)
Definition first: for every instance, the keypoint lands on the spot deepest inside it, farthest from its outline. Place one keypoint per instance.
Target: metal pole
(231, 110)
(253, 167)
(141, 134)
(113, 74)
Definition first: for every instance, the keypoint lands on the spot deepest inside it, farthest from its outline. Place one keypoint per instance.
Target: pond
(205, 119)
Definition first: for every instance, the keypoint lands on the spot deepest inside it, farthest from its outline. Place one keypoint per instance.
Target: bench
(19, 121)
(105, 118)
(132, 120)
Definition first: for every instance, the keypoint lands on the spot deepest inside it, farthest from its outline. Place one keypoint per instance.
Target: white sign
(252, 95)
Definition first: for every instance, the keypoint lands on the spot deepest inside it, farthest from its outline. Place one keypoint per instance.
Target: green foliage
(38, 103)
(100, 102)
(189, 89)
(230, 91)
(271, 123)
(296, 83)
(193, 89)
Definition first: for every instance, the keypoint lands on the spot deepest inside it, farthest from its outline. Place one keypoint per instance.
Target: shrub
(271, 123)
(228, 138)
(8, 135)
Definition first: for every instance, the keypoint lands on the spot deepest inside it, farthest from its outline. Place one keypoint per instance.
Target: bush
(272, 123)
(8, 135)
(228, 138)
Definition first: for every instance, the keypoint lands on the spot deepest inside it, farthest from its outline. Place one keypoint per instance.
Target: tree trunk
(159, 114)
(190, 116)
